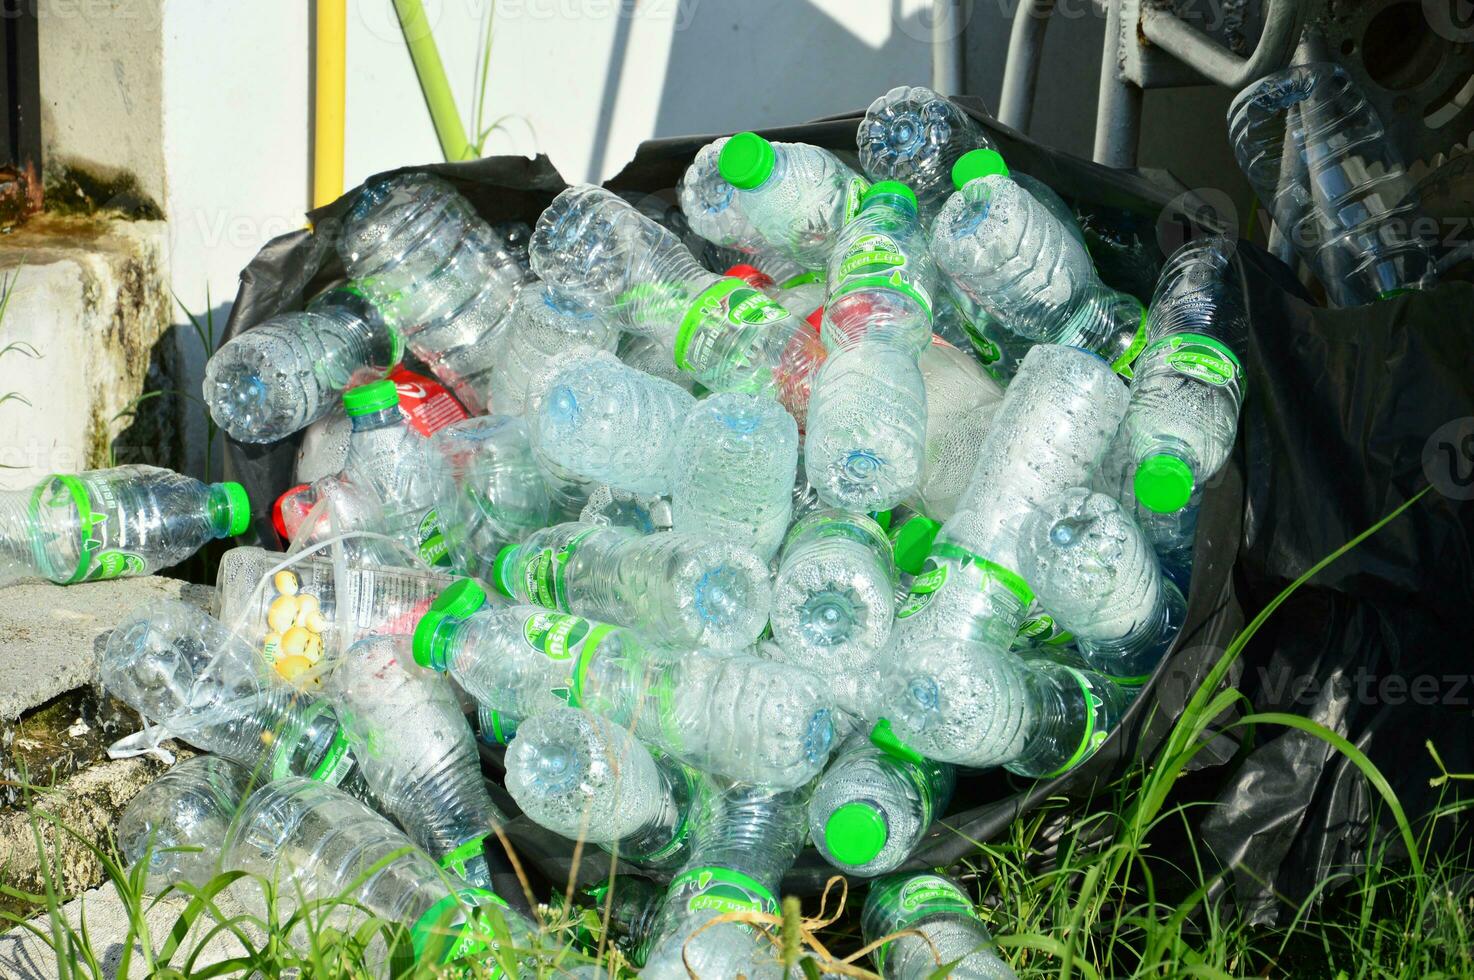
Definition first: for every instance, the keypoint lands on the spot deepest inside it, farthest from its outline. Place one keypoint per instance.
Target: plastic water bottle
(405, 727)
(1096, 574)
(586, 778)
(343, 512)
(666, 212)
(652, 356)
(280, 376)
(1322, 164)
(728, 335)
(606, 422)
(187, 672)
(318, 845)
(439, 273)
(867, 417)
(1189, 385)
(608, 507)
(734, 462)
(302, 613)
(914, 135)
(324, 446)
(710, 205)
(941, 912)
(875, 802)
(389, 456)
(834, 596)
(999, 350)
(678, 588)
(176, 822)
(961, 400)
(487, 488)
(797, 196)
(633, 903)
(1011, 256)
(106, 524)
(543, 322)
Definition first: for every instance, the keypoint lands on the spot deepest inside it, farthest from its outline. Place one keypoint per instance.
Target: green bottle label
(566, 638)
(934, 576)
(875, 261)
(923, 587)
(455, 861)
(853, 191)
(460, 925)
(1199, 357)
(1042, 629)
(98, 522)
(1123, 365)
(728, 304)
(719, 890)
(988, 352)
(921, 896)
(543, 574)
(432, 546)
(336, 762)
(1093, 735)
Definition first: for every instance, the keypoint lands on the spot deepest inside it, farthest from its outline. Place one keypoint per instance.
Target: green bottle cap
(459, 600)
(746, 160)
(238, 504)
(912, 541)
(977, 163)
(373, 397)
(1163, 483)
(855, 833)
(883, 737)
(499, 569)
(893, 188)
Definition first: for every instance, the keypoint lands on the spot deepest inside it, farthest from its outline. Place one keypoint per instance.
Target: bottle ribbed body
(390, 459)
(944, 915)
(178, 821)
(961, 401)
(543, 322)
(1077, 708)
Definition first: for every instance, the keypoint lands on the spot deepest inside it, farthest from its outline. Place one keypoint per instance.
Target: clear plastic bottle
(390, 457)
(543, 322)
(438, 271)
(346, 510)
(1096, 574)
(1013, 257)
(107, 524)
(834, 596)
(1184, 413)
(405, 727)
(710, 205)
(283, 374)
(866, 427)
(734, 460)
(586, 778)
(652, 356)
(487, 488)
(608, 507)
(177, 821)
(633, 908)
(186, 672)
(678, 588)
(798, 197)
(961, 400)
(606, 422)
(324, 446)
(316, 844)
(875, 802)
(943, 914)
(728, 335)
(914, 135)
(1322, 164)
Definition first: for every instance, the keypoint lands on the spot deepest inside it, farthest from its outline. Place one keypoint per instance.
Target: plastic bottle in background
(178, 821)
(633, 903)
(281, 375)
(389, 456)
(487, 488)
(666, 212)
(606, 422)
(731, 714)
(960, 402)
(345, 511)
(652, 356)
(942, 912)
(914, 135)
(107, 524)
(681, 589)
(323, 447)
(586, 778)
(710, 205)
(734, 459)
(186, 672)
(798, 197)
(1322, 164)
(298, 615)
(803, 296)
(317, 845)
(438, 271)
(543, 322)
(608, 507)
(1096, 573)
(834, 596)
(726, 334)
(875, 802)
(866, 430)
(1184, 413)
(1013, 257)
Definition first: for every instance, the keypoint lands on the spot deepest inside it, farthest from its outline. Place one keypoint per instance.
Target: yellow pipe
(330, 101)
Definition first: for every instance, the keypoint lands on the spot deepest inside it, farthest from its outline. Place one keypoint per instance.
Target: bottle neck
(217, 507)
(377, 420)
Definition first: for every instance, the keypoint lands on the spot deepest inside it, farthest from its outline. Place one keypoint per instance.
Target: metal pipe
(1282, 22)
(1021, 70)
(329, 100)
(449, 128)
(948, 35)
(1118, 110)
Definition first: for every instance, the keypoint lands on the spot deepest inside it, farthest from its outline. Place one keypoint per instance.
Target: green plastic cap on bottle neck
(459, 600)
(746, 161)
(977, 163)
(888, 188)
(499, 568)
(856, 833)
(911, 543)
(237, 508)
(1163, 483)
(376, 396)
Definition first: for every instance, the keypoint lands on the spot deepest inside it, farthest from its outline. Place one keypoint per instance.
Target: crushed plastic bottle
(177, 821)
(543, 322)
(107, 524)
(950, 933)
